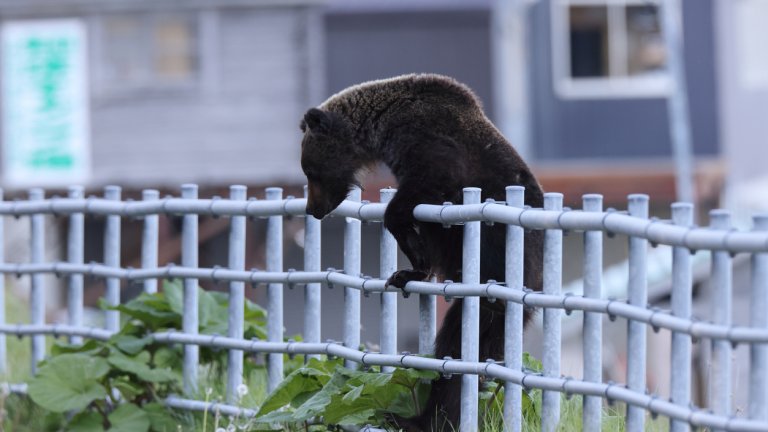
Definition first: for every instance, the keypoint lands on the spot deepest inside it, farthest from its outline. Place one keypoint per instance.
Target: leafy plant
(118, 385)
(339, 396)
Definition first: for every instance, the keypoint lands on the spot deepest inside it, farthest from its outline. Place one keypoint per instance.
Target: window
(147, 52)
(608, 48)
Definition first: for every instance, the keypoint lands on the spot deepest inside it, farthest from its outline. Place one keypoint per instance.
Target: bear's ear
(317, 121)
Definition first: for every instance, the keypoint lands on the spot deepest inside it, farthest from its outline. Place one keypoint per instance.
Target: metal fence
(634, 223)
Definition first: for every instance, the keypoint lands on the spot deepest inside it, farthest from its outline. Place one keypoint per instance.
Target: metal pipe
(312, 291)
(758, 320)
(593, 322)
(112, 259)
(470, 316)
(721, 303)
(513, 319)
(190, 320)
(235, 325)
(274, 290)
(75, 254)
(387, 266)
(37, 290)
(352, 231)
(637, 289)
(553, 280)
(150, 241)
(682, 286)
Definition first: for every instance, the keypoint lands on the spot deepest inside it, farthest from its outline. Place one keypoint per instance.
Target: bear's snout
(317, 211)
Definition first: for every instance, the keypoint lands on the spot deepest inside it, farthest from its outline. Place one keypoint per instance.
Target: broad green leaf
(351, 396)
(531, 363)
(128, 418)
(167, 357)
(301, 381)
(130, 345)
(174, 294)
(139, 366)
(90, 347)
(160, 418)
(86, 421)
(316, 405)
(128, 390)
(152, 317)
(69, 382)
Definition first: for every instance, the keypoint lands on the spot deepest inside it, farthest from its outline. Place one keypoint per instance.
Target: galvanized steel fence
(634, 223)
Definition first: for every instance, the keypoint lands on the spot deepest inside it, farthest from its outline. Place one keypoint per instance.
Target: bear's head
(329, 160)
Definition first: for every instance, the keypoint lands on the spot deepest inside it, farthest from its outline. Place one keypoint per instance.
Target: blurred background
(156, 93)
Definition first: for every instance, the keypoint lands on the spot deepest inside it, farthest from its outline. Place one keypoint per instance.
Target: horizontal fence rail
(634, 223)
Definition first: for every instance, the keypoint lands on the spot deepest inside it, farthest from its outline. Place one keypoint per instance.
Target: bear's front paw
(402, 277)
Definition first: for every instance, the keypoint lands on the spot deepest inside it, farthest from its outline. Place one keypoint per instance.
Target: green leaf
(139, 367)
(167, 357)
(174, 295)
(316, 405)
(128, 389)
(302, 381)
(353, 395)
(531, 363)
(151, 316)
(90, 347)
(128, 418)
(160, 418)
(86, 421)
(130, 345)
(69, 382)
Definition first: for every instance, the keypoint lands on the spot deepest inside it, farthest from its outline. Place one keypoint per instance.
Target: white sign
(45, 103)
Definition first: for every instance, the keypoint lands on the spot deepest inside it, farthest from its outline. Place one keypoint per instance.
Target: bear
(431, 132)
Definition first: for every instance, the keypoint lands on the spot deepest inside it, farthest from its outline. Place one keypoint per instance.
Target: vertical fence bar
(553, 280)
(470, 316)
(720, 382)
(427, 322)
(682, 285)
(352, 267)
(758, 318)
(75, 254)
(312, 291)
(637, 290)
(150, 241)
(513, 319)
(3, 349)
(236, 296)
(387, 266)
(37, 294)
(274, 291)
(190, 323)
(593, 321)
(112, 259)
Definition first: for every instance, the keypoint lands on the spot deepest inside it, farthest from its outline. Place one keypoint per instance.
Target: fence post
(312, 291)
(75, 252)
(150, 241)
(758, 318)
(637, 337)
(352, 267)
(37, 300)
(722, 294)
(427, 322)
(513, 319)
(553, 280)
(387, 266)
(593, 321)
(112, 259)
(236, 296)
(274, 291)
(190, 323)
(470, 316)
(682, 285)
(3, 349)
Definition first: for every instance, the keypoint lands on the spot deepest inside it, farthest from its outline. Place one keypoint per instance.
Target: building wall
(236, 121)
(611, 128)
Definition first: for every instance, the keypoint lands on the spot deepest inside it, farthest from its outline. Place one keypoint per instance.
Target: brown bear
(430, 130)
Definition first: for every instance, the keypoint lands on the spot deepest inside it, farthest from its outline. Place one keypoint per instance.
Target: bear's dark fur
(431, 132)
